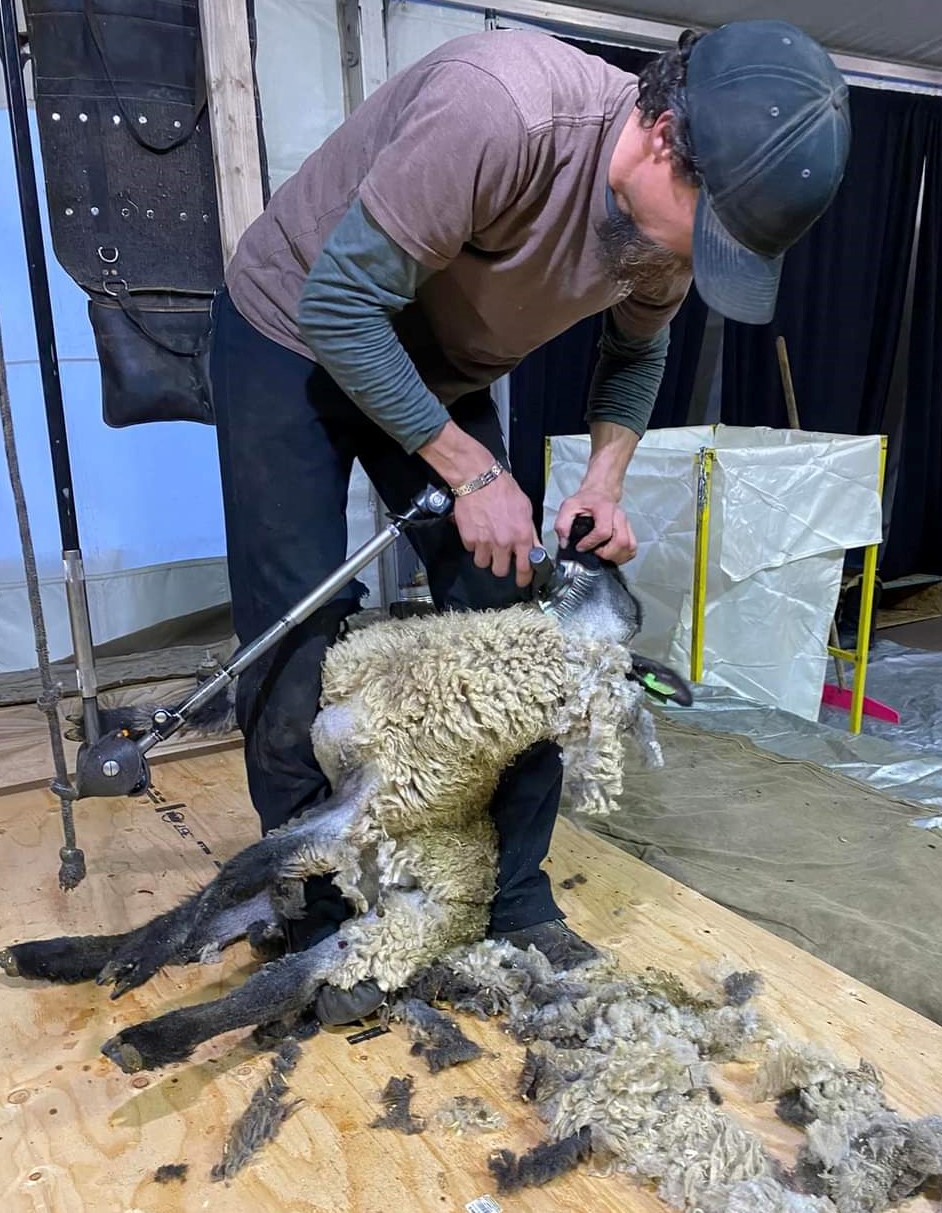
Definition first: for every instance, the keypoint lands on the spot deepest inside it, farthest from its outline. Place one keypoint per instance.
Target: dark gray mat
(819, 859)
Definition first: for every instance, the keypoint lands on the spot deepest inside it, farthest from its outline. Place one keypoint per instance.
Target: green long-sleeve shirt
(359, 284)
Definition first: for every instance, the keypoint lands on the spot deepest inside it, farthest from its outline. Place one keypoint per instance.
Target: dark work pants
(288, 437)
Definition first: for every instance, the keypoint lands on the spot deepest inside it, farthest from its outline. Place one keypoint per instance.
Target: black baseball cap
(770, 129)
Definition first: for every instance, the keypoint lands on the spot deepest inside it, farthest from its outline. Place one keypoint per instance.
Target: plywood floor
(77, 1135)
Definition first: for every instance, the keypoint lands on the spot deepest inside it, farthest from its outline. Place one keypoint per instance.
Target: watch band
(479, 482)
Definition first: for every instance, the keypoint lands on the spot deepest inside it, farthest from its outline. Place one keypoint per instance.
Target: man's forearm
(627, 378)
(360, 281)
(455, 455)
(612, 448)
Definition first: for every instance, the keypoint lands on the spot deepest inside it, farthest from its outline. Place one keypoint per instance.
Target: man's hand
(611, 537)
(496, 522)
(600, 495)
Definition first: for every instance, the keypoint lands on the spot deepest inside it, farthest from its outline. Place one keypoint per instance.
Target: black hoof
(267, 940)
(125, 1056)
(137, 961)
(146, 1046)
(126, 975)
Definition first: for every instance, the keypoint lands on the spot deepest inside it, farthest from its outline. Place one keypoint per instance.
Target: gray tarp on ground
(812, 856)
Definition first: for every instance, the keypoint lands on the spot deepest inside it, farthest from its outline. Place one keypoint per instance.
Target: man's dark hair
(662, 86)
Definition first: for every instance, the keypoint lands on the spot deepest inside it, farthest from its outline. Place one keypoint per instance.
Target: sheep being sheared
(419, 720)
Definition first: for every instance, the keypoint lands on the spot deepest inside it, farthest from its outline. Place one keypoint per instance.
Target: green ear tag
(653, 684)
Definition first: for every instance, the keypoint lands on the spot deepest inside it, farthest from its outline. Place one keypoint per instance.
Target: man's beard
(633, 259)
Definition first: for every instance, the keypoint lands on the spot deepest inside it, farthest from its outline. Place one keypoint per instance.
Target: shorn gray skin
(264, 882)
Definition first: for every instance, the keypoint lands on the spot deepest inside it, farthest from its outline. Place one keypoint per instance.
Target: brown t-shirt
(488, 162)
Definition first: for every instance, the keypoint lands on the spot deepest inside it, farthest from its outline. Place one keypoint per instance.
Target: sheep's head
(589, 596)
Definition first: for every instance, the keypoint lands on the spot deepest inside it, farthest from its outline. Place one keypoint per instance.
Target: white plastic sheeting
(147, 498)
(414, 30)
(785, 507)
(297, 65)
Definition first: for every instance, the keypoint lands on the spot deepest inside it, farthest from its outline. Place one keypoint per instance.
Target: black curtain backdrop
(843, 286)
(914, 544)
(840, 309)
(549, 389)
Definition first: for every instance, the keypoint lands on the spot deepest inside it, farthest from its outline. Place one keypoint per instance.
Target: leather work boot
(561, 946)
(334, 1006)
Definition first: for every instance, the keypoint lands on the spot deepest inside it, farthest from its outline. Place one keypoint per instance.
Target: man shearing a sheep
(475, 206)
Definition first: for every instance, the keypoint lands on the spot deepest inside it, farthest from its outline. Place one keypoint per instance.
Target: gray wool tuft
(397, 1104)
(261, 1122)
(741, 988)
(541, 1164)
(171, 1173)
(436, 1038)
(467, 1114)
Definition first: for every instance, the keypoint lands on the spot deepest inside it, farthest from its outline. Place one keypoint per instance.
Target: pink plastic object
(834, 697)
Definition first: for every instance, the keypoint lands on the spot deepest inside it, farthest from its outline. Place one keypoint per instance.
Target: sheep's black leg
(213, 719)
(131, 958)
(66, 959)
(280, 989)
(209, 918)
(213, 917)
(309, 845)
(178, 936)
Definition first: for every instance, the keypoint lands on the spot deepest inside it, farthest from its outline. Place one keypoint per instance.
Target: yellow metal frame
(706, 457)
(705, 460)
(859, 658)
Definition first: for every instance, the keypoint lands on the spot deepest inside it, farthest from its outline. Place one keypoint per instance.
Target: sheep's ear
(660, 681)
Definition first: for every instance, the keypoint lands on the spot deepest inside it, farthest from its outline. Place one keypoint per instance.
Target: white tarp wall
(414, 30)
(785, 507)
(147, 498)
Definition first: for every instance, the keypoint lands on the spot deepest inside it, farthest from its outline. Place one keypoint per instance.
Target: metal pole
(168, 722)
(38, 281)
(48, 364)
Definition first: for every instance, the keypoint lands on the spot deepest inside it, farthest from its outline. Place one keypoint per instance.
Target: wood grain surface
(77, 1136)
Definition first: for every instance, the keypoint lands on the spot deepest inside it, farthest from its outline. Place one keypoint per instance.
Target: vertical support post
(230, 91)
(348, 26)
(48, 362)
(867, 585)
(72, 868)
(705, 460)
(374, 65)
(362, 28)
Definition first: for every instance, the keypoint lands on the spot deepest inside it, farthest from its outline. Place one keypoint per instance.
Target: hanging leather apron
(127, 155)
